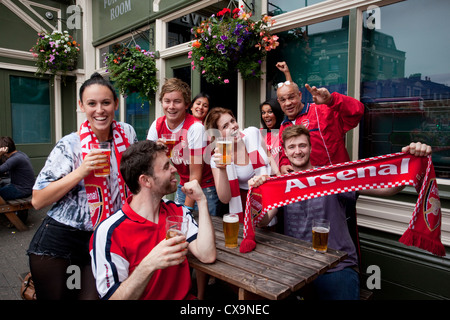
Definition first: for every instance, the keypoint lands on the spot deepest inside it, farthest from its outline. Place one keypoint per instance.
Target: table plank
(231, 274)
(278, 266)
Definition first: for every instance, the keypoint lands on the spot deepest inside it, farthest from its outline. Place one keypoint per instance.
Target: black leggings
(53, 280)
(60, 263)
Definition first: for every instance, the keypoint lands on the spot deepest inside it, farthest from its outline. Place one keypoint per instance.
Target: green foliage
(133, 70)
(229, 42)
(55, 52)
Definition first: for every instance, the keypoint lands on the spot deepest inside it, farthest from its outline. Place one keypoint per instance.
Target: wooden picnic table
(279, 265)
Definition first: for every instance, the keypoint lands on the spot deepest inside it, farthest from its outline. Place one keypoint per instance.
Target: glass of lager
(231, 229)
(169, 140)
(225, 148)
(176, 226)
(102, 168)
(320, 230)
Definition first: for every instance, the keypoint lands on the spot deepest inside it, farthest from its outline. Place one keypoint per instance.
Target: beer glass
(225, 148)
(320, 231)
(231, 229)
(103, 168)
(176, 226)
(169, 140)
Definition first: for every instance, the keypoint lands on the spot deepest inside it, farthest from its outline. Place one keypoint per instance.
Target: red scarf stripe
(377, 172)
(99, 195)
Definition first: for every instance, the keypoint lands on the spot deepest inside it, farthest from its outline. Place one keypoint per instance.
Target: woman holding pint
(248, 157)
(80, 199)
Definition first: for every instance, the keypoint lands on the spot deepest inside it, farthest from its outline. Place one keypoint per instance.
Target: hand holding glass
(176, 226)
(103, 169)
(169, 140)
(225, 148)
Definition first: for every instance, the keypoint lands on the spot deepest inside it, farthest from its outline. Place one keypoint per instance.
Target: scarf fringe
(247, 245)
(416, 239)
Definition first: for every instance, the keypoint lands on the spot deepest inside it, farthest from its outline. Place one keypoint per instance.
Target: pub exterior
(390, 54)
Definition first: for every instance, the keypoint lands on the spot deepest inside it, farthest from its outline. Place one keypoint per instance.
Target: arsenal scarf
(393, 170)
(258, 158)
(97, 189)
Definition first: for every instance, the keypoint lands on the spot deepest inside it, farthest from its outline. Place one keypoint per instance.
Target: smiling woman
(79, 199)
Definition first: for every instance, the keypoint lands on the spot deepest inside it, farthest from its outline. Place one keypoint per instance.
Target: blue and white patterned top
(73, 208)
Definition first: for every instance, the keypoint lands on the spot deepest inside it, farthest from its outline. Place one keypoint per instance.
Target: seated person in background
(342, 281)
(131, 258)
(20, 171)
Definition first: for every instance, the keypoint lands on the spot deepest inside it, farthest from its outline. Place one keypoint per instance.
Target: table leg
(247, 295)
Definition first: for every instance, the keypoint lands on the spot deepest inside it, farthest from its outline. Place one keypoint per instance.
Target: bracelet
(189, 208)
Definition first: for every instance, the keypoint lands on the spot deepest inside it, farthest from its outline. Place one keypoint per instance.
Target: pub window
(276, 7)
(314, 54)
(179, 30)
(30, 108)
(412, 102)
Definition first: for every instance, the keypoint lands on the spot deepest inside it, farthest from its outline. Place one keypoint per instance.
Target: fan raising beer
(169, 140)
(102, 168)
(225, 148)
(231, 229)
(320, 231)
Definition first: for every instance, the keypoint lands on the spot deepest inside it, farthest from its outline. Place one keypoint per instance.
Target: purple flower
(223, 37)
(221, 48)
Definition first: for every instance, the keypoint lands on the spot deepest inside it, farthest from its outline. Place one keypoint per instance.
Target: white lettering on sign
(383, 170)
(117, 8)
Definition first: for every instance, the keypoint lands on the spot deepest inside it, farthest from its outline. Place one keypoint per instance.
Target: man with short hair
(342, 281)
(131, 258)
(328, 119)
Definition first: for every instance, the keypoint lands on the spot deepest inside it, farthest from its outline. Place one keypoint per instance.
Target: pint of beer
(169, 140)
(231, 229)
(176, 226)
(225, 148)
(320, 231)
(103, 167)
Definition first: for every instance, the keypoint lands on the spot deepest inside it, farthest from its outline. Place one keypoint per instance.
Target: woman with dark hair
(200, 105)
(271, 118)
(79, 199)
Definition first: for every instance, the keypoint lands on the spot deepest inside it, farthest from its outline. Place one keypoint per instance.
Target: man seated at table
(342, 281)
(131, 258)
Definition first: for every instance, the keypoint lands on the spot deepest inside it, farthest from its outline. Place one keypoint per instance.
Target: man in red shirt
(131, 258)
(328, 119)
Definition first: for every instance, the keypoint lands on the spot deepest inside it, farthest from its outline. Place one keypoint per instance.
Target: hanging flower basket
(55, 52)
(229, 42)
(133, 70)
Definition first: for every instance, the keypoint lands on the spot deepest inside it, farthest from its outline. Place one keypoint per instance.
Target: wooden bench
(9, 208)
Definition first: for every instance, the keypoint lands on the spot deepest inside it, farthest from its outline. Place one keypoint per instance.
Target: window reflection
(316, 54)
(405, 77)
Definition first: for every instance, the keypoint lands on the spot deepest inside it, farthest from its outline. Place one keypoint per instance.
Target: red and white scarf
(97, 189)
(399, 169)
(258, 158)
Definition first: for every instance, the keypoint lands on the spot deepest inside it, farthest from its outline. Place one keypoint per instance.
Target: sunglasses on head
(279, 85)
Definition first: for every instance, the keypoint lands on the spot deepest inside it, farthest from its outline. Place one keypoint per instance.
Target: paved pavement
(13, 257)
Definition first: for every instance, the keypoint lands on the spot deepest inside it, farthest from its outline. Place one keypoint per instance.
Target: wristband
(189, 208)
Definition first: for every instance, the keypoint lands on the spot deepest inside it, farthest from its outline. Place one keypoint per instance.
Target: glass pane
(30, 107)
(138, 115)
(276, 7)
(316, 54)
(179, 30)
(405, 80)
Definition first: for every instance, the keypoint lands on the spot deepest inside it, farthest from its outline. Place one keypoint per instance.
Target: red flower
(223, 12)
